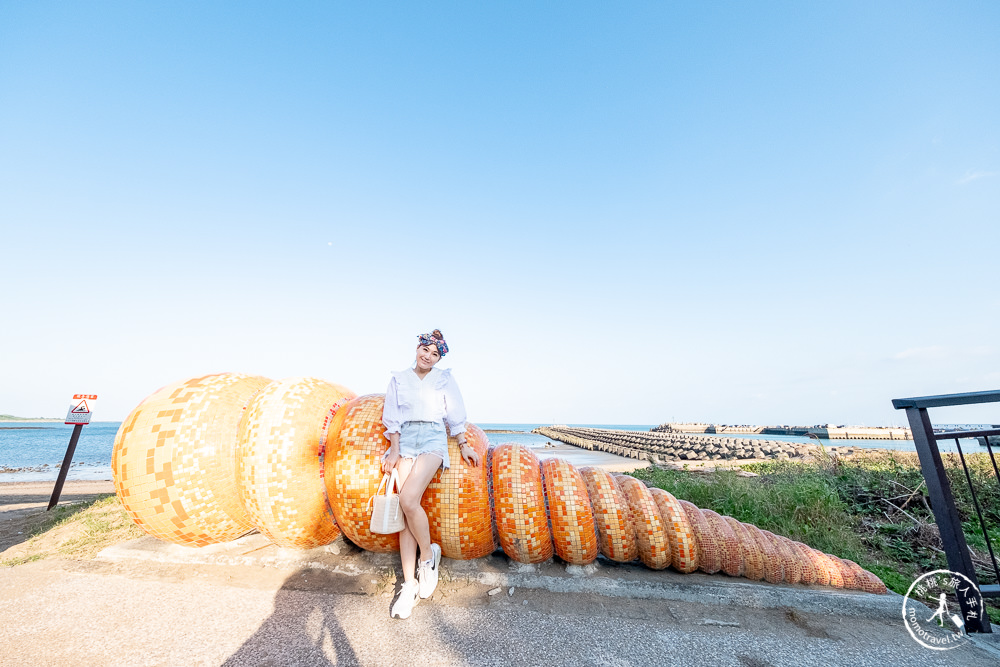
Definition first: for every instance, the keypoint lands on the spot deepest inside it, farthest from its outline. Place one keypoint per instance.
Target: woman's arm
(391, 457)
(454, 411)
(391, 417)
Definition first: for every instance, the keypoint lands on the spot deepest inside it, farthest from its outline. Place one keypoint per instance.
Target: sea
(33, 451)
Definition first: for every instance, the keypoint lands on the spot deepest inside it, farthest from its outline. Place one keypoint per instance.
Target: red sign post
(78, 415)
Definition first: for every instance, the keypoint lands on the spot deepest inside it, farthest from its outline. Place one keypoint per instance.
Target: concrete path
(147, 603)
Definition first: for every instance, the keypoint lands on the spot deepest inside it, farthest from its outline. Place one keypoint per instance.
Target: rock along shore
(45, 467)
(676, 446)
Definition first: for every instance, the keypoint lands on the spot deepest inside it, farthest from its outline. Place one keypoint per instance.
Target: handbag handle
(393, 486)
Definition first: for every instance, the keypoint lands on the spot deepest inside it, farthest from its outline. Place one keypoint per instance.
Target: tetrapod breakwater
(655, 446)
(822, 431)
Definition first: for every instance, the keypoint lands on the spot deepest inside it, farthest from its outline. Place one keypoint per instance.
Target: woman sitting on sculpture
(418, 403)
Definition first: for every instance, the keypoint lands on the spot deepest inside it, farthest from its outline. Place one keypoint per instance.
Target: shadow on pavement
(302, 625)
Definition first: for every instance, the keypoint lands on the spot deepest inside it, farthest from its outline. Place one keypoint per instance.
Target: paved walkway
(147, 603)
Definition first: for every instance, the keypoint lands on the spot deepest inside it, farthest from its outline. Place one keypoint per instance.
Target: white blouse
(436, 398)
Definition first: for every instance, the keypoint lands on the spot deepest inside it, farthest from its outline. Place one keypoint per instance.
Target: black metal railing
(949, 523)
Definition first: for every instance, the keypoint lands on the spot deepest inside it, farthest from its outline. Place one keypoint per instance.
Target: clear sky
(755, 212)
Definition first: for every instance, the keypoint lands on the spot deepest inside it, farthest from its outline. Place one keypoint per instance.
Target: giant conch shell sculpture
(213, 458)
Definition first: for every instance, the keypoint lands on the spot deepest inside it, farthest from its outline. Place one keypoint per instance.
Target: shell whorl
(330, 446)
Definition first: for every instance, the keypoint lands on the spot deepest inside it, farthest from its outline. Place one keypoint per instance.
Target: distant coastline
(12, 418)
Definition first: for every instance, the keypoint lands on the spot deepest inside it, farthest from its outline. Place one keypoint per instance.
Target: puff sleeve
(454, 406)
(390, 410)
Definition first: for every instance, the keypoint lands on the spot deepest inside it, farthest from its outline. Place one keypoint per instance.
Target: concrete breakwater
(825, 431)
(674, 446)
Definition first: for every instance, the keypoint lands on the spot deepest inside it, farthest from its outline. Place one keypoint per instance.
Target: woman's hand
(390, 459)
(469, 455)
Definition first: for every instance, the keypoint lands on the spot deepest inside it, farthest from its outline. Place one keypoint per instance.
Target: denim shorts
(416, 438)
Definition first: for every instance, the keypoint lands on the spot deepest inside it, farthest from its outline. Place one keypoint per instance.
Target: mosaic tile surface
(805, 561)
(790, 567)
(204, 460)
(832, 568)
(820, 567)
(866, 581)
(683, 548)
(612, 516)
(279, 472)
(650, 533)
(173, 460)
(750, 554)
(574, 535)
(846, 573)
(353, 464)
(709, 552)
(519, 504)
(457, 502)
(729, 546)
(773, 571)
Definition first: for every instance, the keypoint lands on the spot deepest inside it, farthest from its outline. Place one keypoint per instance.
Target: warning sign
(80, 409)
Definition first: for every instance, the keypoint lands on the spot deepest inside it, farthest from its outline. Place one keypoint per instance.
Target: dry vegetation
(76, 532)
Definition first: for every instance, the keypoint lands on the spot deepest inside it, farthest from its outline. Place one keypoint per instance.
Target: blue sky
(617, 213)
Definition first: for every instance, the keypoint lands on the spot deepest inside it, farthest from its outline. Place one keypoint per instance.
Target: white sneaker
(406, 601)
(427, 573)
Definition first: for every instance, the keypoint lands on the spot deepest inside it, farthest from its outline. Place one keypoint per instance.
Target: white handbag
(387, 517)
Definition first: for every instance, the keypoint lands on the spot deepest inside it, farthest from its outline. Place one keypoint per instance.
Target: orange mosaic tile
(832, 568)
(846, 573)
(709, 552)
(820, 567)
(805, 561)
(865, 580)
(353, 467)
(457, 502)
(773, 572)
(750, 553)
(612, 516)
(204, 460)
(729, 546)
(519, 504)
(650, 533)
(790, 562)
(279, 471)
(574, 534)
(173, 460)
(683, 548)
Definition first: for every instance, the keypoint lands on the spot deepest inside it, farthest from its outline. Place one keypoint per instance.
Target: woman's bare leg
(407, 544)
(417, 479)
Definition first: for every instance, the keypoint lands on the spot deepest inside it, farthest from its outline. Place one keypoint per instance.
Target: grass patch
(77, 532)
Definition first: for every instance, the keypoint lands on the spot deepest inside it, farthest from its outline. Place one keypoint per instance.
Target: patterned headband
(431, 339)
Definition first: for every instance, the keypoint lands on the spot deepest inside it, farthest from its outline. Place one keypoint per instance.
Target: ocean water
(31, 451)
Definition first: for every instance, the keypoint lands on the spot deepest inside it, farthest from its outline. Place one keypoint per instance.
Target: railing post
(945, 513)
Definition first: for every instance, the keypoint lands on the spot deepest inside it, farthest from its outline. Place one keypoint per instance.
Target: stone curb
(602, 577)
